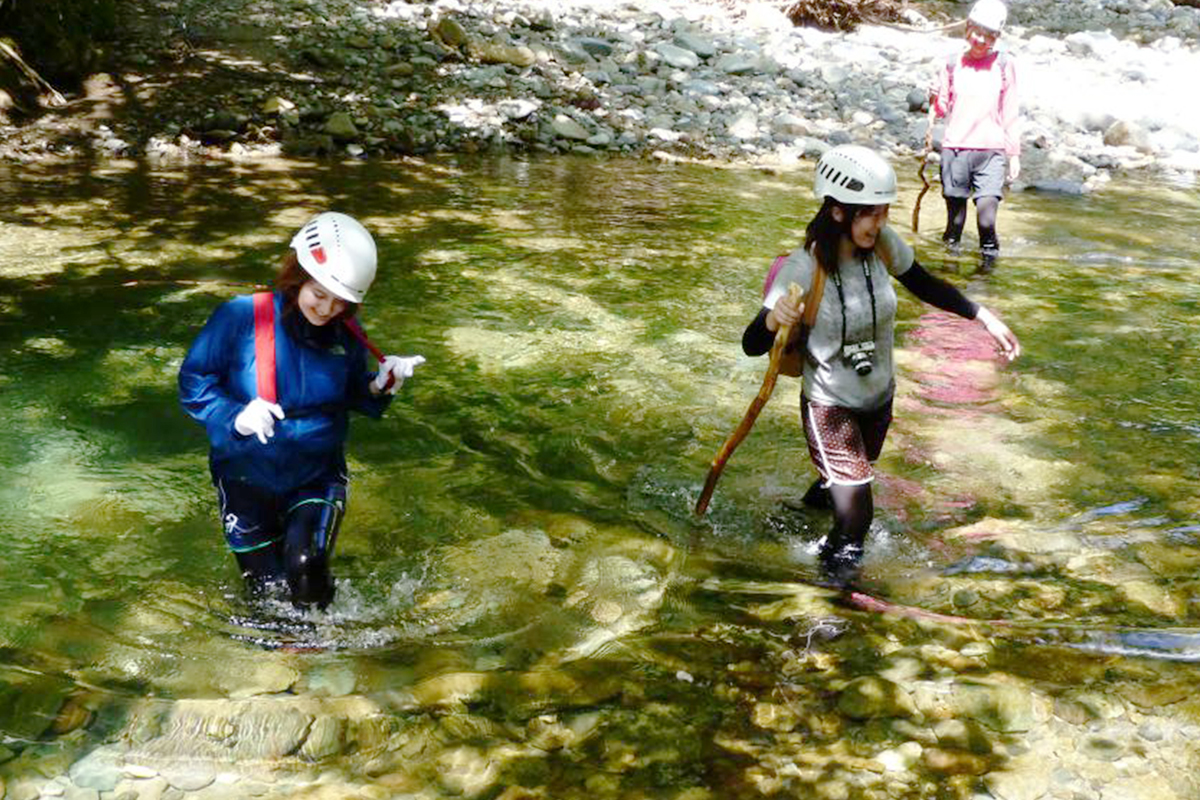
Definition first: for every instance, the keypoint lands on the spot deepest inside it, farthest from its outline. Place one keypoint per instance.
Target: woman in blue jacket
(278, 462)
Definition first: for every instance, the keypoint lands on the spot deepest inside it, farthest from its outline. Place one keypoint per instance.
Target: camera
(858, 355)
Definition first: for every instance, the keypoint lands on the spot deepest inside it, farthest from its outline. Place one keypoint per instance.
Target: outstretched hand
(394, 371)
(1005, 338)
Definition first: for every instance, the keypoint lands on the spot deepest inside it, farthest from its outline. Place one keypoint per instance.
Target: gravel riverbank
(1101, 82)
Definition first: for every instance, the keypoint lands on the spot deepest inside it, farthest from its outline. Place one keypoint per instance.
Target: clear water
(525, 509)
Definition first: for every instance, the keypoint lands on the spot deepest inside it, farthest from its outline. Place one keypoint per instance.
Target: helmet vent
(841, 179)
(338, 252)
(854, 174)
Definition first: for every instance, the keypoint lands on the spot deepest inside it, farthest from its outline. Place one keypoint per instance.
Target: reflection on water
(525, 598)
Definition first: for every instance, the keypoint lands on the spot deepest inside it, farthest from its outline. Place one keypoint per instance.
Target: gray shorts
(973, 173)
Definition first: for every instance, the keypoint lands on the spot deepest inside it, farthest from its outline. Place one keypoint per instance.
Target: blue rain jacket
(316, 388)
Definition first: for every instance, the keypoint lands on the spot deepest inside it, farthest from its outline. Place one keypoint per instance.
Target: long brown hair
(291, 277)
(823, 236)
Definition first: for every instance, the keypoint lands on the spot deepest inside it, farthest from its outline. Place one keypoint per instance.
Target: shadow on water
(525, 599)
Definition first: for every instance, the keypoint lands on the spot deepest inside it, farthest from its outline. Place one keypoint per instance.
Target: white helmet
(990, 14)
(339, 253)
(855, 175)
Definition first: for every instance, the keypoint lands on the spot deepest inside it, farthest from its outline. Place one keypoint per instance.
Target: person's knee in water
(842, 551)
(312, 528)
(956, 220)
(986, 211)
(253, 533)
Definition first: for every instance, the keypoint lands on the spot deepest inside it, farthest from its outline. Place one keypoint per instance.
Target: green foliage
(59, 38)
(843, 15)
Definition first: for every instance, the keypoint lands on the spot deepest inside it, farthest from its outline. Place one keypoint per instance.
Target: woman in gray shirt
(849, 378)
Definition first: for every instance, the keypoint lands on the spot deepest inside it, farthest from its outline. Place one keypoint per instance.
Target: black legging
(312, 528)
(853, 510)
(986, 211)
(300, 552)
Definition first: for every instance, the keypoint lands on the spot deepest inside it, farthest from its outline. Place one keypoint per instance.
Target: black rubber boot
(312, 530)
(841, 564)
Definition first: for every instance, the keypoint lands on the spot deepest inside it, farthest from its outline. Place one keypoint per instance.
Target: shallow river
(525, 599)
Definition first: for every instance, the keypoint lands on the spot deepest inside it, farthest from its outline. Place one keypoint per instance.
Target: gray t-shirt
(828, 379)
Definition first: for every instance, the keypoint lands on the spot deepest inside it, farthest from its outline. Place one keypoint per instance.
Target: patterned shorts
(843, 442)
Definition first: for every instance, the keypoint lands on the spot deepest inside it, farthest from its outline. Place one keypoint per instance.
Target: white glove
(258, 418)
(394, 370)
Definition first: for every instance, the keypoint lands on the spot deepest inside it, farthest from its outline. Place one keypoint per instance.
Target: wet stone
(449, 689)
(1001, 707)
(267, 678)
(547, 733)
(1101, 706)
(191, 777)
(965, 598)
(567, 128)
(99, 769)
(466, 771)
(340, 125)
(1151, 732)
(271, 733)
(954, 762)
(1101, 748)
(871, 697)
(774, 717)
(143, 789)
(957, 734)
(1155, 695)
(1027, 778)
(332, 681)
(902, 758)
(325, 739)
(700, 45)
(595, 46)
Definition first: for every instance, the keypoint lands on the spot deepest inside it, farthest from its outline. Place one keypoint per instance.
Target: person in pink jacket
(977, 93)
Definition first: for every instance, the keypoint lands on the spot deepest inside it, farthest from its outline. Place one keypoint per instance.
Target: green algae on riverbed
(526, 599)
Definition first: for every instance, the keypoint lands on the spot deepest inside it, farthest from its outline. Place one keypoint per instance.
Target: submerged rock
(872, 697)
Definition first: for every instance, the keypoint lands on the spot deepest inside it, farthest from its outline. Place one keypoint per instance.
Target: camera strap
(837, 282)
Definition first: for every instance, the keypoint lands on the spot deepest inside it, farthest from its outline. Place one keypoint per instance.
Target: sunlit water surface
(523, 514)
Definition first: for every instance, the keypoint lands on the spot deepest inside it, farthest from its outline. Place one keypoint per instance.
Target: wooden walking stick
(795, 294)
(924, 162)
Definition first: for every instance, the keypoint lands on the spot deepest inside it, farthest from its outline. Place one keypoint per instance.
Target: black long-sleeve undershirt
(927, 288)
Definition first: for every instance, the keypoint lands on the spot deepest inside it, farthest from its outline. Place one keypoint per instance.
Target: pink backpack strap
(264, 345)
(775, 265)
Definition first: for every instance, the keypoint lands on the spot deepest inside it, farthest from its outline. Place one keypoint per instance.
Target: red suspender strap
(264, 345)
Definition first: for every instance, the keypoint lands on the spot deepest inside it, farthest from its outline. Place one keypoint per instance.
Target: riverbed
(527, 606)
